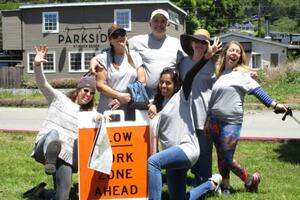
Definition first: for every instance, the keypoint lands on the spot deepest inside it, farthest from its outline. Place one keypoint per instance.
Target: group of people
(196, 100)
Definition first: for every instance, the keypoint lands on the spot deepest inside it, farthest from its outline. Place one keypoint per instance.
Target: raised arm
(188, 80)
(42, 83)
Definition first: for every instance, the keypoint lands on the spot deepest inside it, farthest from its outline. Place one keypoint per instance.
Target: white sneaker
(216, 179)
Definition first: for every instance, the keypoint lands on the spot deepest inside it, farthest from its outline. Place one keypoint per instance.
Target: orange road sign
(128, 177)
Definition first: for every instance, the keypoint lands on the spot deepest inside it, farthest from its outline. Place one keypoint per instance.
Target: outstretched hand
(214, 48)
(41, 52)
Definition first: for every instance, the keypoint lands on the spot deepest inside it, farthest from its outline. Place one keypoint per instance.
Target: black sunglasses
(118, 33)
(88, 91)
(199, 41)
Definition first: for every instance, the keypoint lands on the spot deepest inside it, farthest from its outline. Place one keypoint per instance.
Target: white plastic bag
(101, 157)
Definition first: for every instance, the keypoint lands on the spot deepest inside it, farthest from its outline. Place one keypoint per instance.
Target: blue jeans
(176, 163)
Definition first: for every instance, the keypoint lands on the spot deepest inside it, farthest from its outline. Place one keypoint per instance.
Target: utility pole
(259, 19)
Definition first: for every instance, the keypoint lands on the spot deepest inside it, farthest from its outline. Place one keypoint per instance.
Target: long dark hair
(127, 51)
(159, 98)
(86, 107)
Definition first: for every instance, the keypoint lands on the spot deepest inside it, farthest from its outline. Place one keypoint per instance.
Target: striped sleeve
(262, 96)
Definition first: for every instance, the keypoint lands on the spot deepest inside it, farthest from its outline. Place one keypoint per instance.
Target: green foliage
(282, 84)
(285, 23)
(215, 16)
(9, 6)
(57, 83)
(18, 168)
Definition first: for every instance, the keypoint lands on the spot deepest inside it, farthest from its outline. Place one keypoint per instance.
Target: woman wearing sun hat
(195, 46)
(117, 67)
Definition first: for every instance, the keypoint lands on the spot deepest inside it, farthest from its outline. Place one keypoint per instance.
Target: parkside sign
(82, 38)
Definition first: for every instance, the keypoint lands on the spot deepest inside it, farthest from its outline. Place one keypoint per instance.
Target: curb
(266, 138)
(18, 131)
(241, 138)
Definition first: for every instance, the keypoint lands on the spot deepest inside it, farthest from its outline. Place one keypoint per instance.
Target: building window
(50, 22)
(256, 61)
(274, 59)
(123, 18)
(174, 18)
(48, 67)
(80, 61)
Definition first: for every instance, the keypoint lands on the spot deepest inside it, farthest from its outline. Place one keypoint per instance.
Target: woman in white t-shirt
(118, 68)
(226, 112)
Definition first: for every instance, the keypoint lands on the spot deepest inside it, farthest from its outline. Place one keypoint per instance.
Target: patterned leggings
(225, 137)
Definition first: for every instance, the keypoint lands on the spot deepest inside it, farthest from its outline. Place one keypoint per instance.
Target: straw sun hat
(185, 40)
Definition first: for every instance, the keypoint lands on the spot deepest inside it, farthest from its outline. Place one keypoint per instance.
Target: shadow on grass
(74, 192)
(289, 151)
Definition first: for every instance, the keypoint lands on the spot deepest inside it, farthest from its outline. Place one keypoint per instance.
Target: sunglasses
(88, 91)
(118, 33)
(199, 41)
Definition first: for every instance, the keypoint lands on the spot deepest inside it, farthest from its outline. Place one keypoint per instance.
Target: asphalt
(258, 125)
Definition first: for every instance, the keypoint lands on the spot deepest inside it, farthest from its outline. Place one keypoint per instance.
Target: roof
(54, 5)
(260, 40)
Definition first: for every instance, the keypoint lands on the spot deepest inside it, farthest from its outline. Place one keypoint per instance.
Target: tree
(213, 15)
(284, 24)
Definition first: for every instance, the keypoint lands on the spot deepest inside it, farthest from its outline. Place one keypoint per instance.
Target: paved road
(257, 125)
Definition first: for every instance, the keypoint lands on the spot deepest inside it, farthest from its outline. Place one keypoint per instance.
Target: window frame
(43, 22)
(82, 61)
(261, 60)
(116, 11)
(174, 17)
(274, 63)
(45, 71)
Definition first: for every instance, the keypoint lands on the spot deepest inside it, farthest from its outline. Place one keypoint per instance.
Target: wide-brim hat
(114, 27)
(185, 40)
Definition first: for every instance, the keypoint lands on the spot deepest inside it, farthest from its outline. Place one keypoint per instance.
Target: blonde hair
(242, 62)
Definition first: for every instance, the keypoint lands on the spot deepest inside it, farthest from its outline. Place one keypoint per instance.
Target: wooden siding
(11, 77)
(11, 30)
(76, 21)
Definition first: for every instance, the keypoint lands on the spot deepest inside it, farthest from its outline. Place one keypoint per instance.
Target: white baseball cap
(160, 12)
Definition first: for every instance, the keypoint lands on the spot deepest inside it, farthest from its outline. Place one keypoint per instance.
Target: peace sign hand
(41, 52)
(213, 49)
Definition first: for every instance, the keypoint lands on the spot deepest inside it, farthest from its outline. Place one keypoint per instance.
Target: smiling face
(199, 46)
(233, 56)
(118, 39)
(159, 25)
(166, 85)
(85, 95)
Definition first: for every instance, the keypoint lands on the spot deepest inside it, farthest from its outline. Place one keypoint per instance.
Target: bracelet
(274, 107)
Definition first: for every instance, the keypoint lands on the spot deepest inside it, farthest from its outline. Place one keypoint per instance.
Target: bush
(57, 83)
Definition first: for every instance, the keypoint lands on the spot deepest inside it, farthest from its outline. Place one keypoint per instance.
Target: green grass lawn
(278, 163)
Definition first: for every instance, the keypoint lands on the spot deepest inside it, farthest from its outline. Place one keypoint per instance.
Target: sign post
(128, 178)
